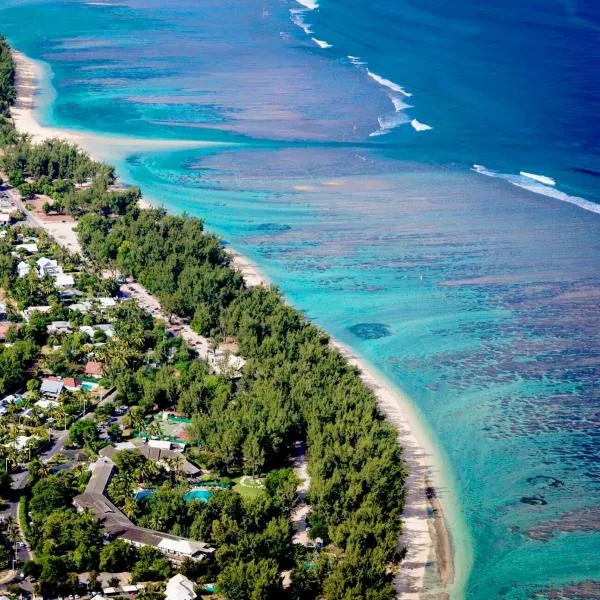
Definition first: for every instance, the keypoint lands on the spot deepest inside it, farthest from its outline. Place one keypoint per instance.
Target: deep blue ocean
(369, 157)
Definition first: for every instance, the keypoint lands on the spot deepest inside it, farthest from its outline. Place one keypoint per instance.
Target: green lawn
(248, 488)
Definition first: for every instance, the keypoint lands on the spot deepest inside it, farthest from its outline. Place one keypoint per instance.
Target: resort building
(117, 525)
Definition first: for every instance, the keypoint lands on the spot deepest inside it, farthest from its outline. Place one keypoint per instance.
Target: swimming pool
(88, 385)
(202, 495)
(141, 494)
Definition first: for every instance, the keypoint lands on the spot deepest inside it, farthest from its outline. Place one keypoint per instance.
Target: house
(2, 310)
(94, 369)
(180, 588)
(82, 307)
(59, 327)
(29, 248)
(47, 267)
(23, 269)
(5, 219)
(64, 281)
(28, 312)
(51, 388)
(104, 302)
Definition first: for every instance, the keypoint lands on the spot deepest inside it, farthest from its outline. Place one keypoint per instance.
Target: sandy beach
(101, 147)
(426, 537)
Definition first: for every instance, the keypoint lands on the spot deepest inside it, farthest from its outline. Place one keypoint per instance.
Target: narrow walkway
(302, 509)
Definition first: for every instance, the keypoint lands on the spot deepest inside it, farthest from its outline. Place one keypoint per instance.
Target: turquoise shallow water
(476, 297)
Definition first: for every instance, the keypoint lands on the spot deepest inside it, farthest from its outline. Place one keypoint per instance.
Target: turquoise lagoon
(475, 296)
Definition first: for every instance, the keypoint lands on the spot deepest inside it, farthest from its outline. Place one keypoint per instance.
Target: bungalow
(28, 312)
(94, 369)
(47, 267)
(51, 388)
(64, 281)
(23, 269)
(59, 327)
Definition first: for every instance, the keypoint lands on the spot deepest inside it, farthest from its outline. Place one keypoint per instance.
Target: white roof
(87, 330)
(4, 218)
(180, 588)
(125, 446)
(31, 248)
(162, 444)
(43, 261)
(20, 442)
(106, 302)
(64, 280)
(81, 307)
(180, 546)
(46, 404)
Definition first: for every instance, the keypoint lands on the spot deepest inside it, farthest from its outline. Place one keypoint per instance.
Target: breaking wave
(536, 185)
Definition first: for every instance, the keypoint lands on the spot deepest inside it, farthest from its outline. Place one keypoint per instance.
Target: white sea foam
(298, 20)
(399, 104)
(389, 122)
(388, 84)
(418, 126)
(310, 4)
(356, 61)
(321, 43)
(541, 178)
(538, 187)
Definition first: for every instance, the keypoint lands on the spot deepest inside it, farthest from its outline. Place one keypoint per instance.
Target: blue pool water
(143, 494)
(202, 495)
(474, 289)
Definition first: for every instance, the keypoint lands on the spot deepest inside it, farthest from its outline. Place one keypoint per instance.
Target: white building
(23, 269)
(47, 267)
(46, 404)
(180, 588)
(29, 248)
(64, 281)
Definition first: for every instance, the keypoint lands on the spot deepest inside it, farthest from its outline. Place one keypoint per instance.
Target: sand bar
(425, 535)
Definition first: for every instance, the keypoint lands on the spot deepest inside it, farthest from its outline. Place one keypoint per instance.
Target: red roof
(94, 368)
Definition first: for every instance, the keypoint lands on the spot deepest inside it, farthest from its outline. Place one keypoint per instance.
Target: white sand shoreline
(423, 548)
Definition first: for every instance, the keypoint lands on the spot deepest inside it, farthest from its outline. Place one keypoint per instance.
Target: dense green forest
(295, 387)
